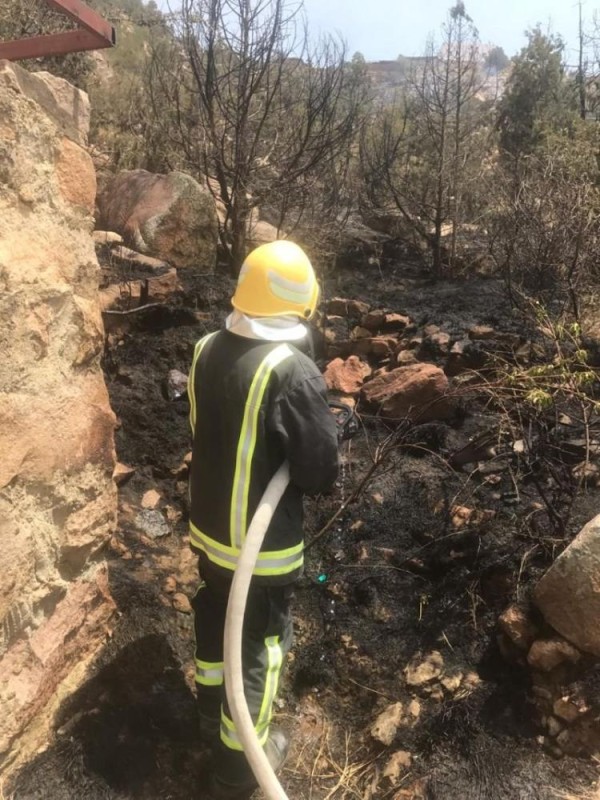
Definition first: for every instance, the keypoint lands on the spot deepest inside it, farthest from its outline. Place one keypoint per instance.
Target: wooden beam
(55, 44)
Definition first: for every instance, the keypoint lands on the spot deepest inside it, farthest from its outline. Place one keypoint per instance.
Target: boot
(276, 750)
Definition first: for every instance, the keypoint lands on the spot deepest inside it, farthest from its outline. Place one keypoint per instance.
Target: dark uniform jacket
(254, 404)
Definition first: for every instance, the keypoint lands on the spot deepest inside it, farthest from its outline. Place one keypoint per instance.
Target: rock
(386, 725)
(125, 255)
(66, 108)
(346, 376)
(566, 710)
(515, 624)
(397, 765)
(405, 358)
(360, 333)
(451, 683)
(420, 672)
(152, 523)
(417, 392)
(587, 474)
(483, 332)
(383, 346)
(181, 603)
(547, 654)
(337, 306)
(176, 384)
(122, 473)
(170, 585)
(434, 345)
(58, 502)
(168, 216)
(162, 287)
(107, 237)
(151, 499)
(431, 330)
(357, 309)
(568, 595)
(394, 322)
(373, 320)
(336, 329)
(261, 232)
(173, 514)
(553, 726)
(414, 709)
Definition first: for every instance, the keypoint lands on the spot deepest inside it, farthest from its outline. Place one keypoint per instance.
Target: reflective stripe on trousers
(229, 735)
(209, 673)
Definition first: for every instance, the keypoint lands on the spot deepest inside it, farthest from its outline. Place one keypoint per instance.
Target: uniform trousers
(266, 640)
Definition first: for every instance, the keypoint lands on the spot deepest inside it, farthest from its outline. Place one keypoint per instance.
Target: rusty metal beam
(95, 33)
(54, 44)
(85, 17)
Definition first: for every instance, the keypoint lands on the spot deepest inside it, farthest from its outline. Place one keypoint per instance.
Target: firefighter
(255, 400)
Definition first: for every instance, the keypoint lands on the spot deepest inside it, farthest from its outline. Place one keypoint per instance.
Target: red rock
(482, 332)
(405, 358)
(357, 308)
(383, 346)
(547, 654)
(337, 306)
(515, 623)
(360, 333)
(181, 603)
(395, 322)
(169, 216)
(151, 499)
(346, 376)
(373, 320)
(163, 286)
(417, 392)
(122, 473)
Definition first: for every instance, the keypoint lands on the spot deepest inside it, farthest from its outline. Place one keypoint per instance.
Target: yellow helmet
(276, 279)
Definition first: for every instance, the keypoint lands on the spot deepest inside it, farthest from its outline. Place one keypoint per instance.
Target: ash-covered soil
(391, 583)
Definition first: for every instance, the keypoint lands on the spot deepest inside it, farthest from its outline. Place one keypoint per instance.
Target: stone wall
(57, 497)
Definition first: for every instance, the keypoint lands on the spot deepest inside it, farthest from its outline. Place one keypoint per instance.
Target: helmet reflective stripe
(247, 443)
(275, 562)
(291, 290)
(209, 673)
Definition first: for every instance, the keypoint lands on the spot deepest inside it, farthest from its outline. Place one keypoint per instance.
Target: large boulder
(346, 376)
(168, 216)
(568, 595)
(417, 392)
(57, 498)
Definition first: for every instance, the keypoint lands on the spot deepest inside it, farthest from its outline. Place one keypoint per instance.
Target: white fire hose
(234, 623)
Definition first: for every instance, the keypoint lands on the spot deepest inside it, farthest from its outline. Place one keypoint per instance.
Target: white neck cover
(271, 329)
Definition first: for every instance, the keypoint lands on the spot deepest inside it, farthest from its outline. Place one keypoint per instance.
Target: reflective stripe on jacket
(254, 404)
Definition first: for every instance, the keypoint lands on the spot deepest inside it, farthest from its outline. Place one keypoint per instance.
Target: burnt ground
(392, 581)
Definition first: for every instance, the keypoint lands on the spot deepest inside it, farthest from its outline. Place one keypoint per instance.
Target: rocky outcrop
(417, 392)
(569, 593)
(57, 497)
(168, 216)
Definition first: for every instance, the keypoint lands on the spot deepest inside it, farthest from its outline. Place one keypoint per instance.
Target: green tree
(496, 61)
(538, 97)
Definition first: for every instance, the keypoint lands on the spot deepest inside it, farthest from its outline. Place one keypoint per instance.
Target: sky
(383, 29)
